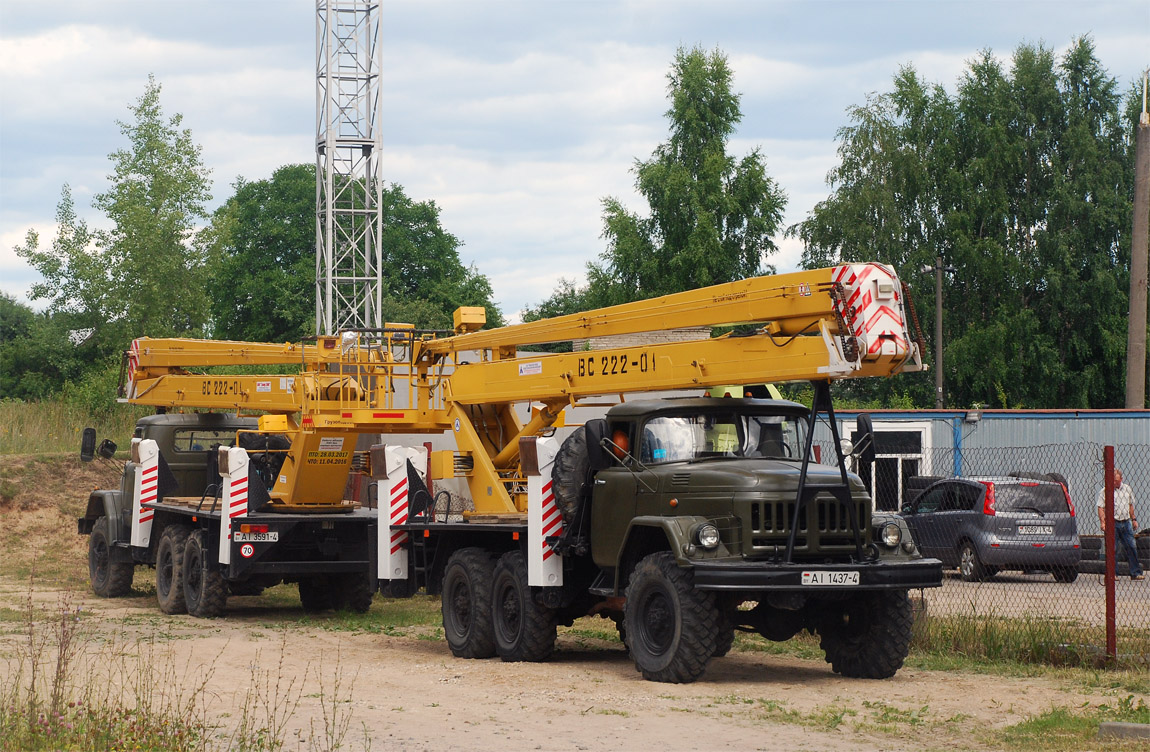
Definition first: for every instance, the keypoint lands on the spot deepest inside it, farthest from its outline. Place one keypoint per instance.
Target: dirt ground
(408, 693)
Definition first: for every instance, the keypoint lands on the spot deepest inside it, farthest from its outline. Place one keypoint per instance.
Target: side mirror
(88, 445)
(107, 449)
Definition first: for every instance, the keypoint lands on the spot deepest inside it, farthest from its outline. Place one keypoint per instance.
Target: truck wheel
(724, 636)
(170, 569)
(205, 590)
(671, 627)
(970, 567)
(870, 637)
(467, 604)
(524, 631)
(315, 594)
(353, 592)
(110, 579)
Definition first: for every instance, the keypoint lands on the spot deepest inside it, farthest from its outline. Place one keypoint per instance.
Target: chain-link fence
(1018, 532)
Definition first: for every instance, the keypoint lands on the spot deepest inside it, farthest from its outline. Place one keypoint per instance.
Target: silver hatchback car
(983, 525)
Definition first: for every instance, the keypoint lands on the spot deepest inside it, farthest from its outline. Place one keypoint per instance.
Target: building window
(902, 450)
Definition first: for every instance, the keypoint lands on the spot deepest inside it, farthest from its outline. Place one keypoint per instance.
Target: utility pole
(938, 269)
(1136, 331)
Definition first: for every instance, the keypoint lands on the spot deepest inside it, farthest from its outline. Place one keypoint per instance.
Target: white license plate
(830, 578)
(1036, 530)
(255, 537)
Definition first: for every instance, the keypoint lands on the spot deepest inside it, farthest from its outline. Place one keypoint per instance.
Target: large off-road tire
(315, 594)
(110, 579)
(724, 636)
(352, 592)
(251, 587)
(670, 626)
(870, 637)
(205, 589)
(1065, 574)
(467, 620)
(569, 473)
(170, 569)
(524, 630)
(970, 567)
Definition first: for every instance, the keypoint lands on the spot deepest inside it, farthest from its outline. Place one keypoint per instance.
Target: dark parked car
(983, 525)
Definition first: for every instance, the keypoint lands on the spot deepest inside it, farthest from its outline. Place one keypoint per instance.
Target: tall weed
(55, 425)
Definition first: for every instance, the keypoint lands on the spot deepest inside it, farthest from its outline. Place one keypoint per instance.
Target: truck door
(612, 509)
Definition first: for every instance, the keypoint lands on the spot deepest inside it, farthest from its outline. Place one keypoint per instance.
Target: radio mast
(349, 151)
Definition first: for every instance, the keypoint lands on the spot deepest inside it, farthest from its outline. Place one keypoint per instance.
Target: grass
(942, 640)
(66, 687)
(55, 425)
(1069, 729)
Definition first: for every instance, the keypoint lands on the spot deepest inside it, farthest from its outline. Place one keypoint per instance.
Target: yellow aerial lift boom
(841, 322)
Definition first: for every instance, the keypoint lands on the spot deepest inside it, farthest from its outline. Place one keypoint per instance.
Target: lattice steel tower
(349, 150)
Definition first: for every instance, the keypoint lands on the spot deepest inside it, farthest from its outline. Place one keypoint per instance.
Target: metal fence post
(1111, 565)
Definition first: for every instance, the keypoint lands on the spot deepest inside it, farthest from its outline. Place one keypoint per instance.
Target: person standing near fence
(1125, 521)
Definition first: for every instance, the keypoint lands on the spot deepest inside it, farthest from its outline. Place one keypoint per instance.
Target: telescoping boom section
(847, 321)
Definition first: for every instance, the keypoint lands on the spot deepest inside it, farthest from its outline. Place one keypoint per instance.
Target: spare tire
(569, 474)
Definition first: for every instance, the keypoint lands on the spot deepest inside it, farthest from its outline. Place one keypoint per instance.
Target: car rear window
(1044, 497)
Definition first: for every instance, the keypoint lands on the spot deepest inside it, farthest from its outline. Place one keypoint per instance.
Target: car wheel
(467, 620)
(970, 567)
(170, 569)
(524, 631)
(110, 579)
(1065, 574)
(671, 627)
(868, 637)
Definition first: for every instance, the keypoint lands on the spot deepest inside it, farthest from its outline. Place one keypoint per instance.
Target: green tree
(424, 279)
(36, 355)
(264, 240)
(143, 276)
(712, 216)
(1022, 180)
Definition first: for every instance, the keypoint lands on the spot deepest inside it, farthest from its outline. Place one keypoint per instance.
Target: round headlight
(707, 535)
(891, 534)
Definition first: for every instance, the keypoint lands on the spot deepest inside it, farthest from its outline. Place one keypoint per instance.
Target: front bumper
(1008, 554)
(765, 576)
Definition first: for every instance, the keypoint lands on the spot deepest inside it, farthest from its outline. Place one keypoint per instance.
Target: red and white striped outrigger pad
(875, 313)
(544, 520)
(235, 497)
(396, 489)
(145, 489)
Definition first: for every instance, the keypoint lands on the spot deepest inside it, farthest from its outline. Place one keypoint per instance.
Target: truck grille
(768, 525)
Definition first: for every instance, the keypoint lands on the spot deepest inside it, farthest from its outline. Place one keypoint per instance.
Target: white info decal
(331, 444)
(531, 369)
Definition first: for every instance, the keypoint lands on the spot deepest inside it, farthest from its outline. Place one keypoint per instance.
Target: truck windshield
(700, 435)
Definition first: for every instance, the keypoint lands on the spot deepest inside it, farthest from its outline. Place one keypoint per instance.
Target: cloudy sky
(516, 117)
